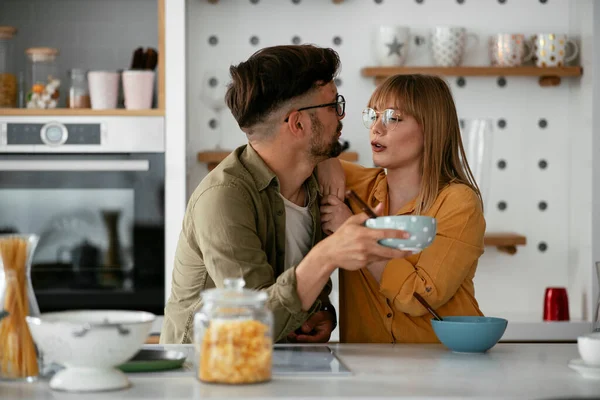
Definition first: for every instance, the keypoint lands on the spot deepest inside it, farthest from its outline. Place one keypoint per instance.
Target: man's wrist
(323, 258)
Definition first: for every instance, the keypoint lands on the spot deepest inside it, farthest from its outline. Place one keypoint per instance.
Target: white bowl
(90, 344)
(589, 348)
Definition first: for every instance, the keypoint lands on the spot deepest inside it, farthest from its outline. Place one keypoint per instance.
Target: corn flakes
(236, 352)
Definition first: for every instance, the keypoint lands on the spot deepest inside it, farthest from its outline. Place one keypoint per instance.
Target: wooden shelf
(335, 1)
(505, 241)
(213, 158)
(28, 112)
(547, 76)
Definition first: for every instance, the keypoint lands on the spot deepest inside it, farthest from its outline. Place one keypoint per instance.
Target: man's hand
(353, 246)
(316, 329)
(331, 178)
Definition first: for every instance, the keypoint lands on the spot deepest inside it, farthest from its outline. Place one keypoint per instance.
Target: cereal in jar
(233, 335)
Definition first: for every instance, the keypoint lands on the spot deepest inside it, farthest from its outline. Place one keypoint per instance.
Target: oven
(93, 190)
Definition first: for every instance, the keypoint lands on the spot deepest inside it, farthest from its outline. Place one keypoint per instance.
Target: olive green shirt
(234, 226)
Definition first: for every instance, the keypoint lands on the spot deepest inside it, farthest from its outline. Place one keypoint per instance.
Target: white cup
(391, 45)
(138, 89)
(589, 348)
(104, 89)
(449, 43)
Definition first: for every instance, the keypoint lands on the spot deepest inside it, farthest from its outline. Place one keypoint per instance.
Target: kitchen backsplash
(537, 187)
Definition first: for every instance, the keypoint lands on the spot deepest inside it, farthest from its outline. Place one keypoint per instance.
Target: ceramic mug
(509, 50)
(551, 49)
(449, 43)
(392, 44)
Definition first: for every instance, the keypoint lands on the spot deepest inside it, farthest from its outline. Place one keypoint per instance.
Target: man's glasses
(389, 118)
(339, 104)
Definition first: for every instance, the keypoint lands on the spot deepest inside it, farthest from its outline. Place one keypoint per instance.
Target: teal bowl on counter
(466, 334)
(422, 230)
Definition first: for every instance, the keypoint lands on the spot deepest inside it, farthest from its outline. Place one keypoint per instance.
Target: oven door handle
(74, 165)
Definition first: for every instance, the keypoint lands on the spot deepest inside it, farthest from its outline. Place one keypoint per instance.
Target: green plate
(154, 360)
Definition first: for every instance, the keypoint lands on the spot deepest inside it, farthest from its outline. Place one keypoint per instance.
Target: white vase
(477, 135)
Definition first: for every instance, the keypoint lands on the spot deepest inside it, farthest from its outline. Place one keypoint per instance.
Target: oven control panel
(53, 134)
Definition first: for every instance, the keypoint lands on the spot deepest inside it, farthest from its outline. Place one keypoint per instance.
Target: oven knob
(54, 134)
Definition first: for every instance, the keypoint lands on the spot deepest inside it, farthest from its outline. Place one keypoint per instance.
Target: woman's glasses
(389, 118)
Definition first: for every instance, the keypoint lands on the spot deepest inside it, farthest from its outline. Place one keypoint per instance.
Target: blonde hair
(428, 99)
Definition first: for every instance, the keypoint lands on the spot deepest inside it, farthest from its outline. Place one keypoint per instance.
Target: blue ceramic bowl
(469, 334)
(422, 230)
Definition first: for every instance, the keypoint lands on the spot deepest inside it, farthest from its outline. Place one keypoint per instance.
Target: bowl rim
(38, 320)
(422, 217)
(490, 320)
(592, 336)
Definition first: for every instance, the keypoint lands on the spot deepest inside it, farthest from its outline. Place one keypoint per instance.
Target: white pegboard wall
(532, 127)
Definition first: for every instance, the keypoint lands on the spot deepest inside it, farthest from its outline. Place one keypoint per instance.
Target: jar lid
(41, 53)
(49, 51)
(7, 32)
(234, 294)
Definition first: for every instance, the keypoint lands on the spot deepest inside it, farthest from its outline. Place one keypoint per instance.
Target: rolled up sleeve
(439, 270)
(226, 233)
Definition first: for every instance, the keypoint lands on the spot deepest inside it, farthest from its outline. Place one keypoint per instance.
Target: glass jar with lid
(79, 94)
(43, 83)
(233, 334)
(8, 77)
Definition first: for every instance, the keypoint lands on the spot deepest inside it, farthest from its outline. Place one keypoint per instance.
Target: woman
(415, 136)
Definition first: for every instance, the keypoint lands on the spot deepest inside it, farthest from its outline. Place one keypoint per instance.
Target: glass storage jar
(79, 94)
(233, 335)
(43, 83)
(8, 76)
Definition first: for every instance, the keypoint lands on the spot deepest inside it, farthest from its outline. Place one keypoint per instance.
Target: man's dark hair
(274, 75)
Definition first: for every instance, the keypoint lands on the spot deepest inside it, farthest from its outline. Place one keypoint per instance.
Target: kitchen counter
(520, 329)
(427, 371)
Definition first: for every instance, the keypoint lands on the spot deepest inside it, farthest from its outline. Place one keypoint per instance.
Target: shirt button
(279, 213)
(389, 315)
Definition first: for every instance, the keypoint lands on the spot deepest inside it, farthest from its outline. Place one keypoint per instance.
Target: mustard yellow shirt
(443, 273)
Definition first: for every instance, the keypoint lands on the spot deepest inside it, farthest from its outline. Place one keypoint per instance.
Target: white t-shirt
(298, 232)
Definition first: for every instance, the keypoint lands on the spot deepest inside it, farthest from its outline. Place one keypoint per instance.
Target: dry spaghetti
(18, 357)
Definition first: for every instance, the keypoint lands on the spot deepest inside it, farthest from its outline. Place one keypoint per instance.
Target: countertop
(521, 328)
(528, 371)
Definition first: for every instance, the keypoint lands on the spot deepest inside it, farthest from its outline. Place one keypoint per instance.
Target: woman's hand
(331, 178)
(334, 213)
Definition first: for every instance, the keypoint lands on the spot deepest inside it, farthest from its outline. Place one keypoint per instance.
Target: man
(256, 216)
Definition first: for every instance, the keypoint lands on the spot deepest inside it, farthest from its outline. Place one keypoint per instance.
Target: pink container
(138, 89)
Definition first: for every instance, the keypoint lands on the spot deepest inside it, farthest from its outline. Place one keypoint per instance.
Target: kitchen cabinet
(90, 35)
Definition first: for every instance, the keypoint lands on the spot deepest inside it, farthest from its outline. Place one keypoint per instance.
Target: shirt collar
(263, 176)
(260, 172)
(380, 194)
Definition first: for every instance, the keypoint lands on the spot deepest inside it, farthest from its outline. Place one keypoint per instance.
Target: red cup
(556, 304)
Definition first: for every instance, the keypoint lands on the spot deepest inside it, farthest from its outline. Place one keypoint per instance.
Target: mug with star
(391, 44)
